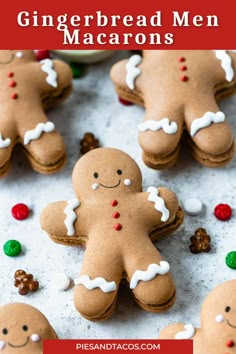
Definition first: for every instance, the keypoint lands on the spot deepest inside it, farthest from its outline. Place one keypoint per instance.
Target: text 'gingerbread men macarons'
(27, 88)
(113, 218)
(179, 90)
(23, 329)
(217, 334)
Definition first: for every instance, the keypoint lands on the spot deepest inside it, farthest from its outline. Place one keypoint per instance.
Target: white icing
(47, 67)
(4, 142)
(2, 344)
(99, 282)
(35, 133)
(159, 203)
(193, 206)
(132, 72)
(149, 274)
(127, 182)
(19, 54)
(95, 186)
(61, 281)
(71, 215)
(226, 63)
(35, 337)
(220, 318)
(188, 332)
(206, 120)
(154, 125)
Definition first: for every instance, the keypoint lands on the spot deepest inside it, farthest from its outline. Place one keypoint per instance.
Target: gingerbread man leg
(43, 144)
(160, 135)
(97, 285)
(8, 137)
(149, 277)
(211, 137)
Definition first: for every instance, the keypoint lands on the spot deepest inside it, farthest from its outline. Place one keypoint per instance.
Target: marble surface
(93, 106)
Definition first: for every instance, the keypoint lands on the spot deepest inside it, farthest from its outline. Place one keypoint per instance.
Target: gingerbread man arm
(160, 207)
(179, 331)
(54, 76)
(59, 220)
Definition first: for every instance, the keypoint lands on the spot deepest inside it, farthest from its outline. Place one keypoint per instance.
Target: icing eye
(119, 172)
(95, 175)
(25, 328)
(4, 331)
(227, 309)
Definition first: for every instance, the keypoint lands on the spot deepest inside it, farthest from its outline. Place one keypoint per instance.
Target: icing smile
(8, 60)
(19, 346)
(110, 186)
(230, 324)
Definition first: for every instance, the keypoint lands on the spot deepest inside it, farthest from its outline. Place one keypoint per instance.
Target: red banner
(123, 24)
(82, 346)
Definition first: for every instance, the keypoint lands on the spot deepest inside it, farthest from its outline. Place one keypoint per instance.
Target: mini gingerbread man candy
(200, 241)
(25, 282)
(23, 329)
(113, 218)
(29, 87)
(179, 90)
(217, 334)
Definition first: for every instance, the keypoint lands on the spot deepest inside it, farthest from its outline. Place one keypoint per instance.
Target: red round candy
(20, 211)
(117, 227)
(125, 102)
(116, 215)
(223, 212)
(14, 96)
(183, 68)
(42, 54)
(184, 78)
(181, 59)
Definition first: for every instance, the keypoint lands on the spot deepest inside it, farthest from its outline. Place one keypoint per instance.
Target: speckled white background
(93, 106)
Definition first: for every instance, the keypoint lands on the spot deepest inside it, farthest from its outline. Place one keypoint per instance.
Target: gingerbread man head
(28, 88)
(113, 218)
(217, 334)
(23, 329)
(179, 90)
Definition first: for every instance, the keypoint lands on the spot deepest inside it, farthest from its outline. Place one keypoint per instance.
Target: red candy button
(181, 59)
(125, 102)
(184, 78)
(20, 211)
(116, 215)
(223, 212)
(229, 343)
(117, 227)
(114, 203)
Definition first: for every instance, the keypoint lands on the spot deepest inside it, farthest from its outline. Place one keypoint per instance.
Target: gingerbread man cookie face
(113, 218)
(27, 89)
(23, 329)
(217, 334)
(179, 90)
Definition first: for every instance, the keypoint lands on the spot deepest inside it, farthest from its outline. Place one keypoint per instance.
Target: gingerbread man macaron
(217, 334)
(23, 329)
(180, 90)
(27, 89)
(116, 222)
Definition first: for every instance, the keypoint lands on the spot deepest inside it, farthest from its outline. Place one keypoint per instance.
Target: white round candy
(127, 182)
(219, 318)
(35, 337)
(193, 206)
(61, 281)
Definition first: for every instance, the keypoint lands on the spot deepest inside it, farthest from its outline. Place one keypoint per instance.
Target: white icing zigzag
(71, 215)
(154, 125)
(132, 72)
(206, 120)
(4, 142)
(187, 333)
(47, 67)
(35, 133)
(99, 282)
(226, 63)
(150, 273)
(159, 203)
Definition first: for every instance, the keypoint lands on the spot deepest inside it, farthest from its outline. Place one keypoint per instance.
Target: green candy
(12, 248)
(77, 69)
(230, 259)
